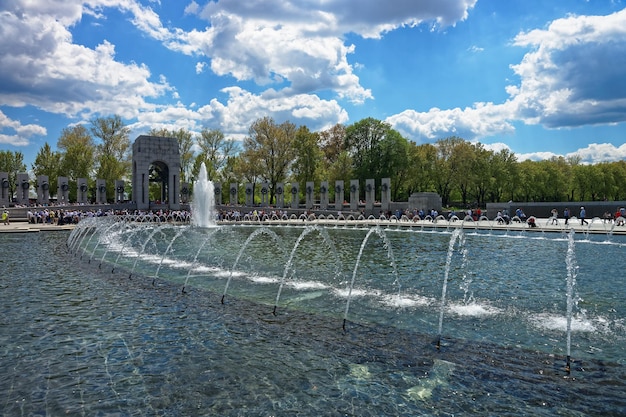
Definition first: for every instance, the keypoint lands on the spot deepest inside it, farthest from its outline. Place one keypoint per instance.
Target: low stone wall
(593, 208)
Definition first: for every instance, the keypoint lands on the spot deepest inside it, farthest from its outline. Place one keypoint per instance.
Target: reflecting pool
(120, 318)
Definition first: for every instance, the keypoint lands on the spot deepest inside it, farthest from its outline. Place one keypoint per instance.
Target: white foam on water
(404, 301)
(356, 292)
(264, 279)
(473, 310)
(556, 322)
(306, 285)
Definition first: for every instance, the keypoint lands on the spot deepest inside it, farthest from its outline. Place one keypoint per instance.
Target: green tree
(504, 176)
(113, 152)
(77, 150)
(215, 150)
(185, 143)
(422, 168)
(48, 162)
(271, 145)
(446, 167)
(12, 163)
(308, 156)
(336, 163)
(394, 162)
(363, 141)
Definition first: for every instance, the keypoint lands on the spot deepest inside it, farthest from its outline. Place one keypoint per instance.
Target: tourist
(555, 216)
(5, 217)
(582, 215)
(566, 215)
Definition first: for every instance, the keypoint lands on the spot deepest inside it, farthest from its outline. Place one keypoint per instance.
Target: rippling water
(76, 339)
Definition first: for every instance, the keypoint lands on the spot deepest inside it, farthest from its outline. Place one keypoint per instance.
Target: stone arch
(156, 159)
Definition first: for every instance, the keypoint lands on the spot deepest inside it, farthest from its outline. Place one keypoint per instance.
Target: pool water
(79, 339)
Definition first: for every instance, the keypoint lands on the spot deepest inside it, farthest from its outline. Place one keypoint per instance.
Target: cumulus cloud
(42, 67)
(13, 132)
(481, 120)
(574, 74)
(301, 44)
(242, 108)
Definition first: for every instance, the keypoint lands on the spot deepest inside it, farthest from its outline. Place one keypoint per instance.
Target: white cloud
(481, 120)
(573, 76)
(300, 44)
(200, 66)
(575, 73)
(13, 132)
(591, 154)
(42, 66)
(241, 109)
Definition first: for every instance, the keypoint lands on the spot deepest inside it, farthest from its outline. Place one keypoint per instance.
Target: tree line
(461, 172)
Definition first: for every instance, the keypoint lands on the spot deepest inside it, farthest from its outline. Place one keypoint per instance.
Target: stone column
(310, 195)
(249, 195)
(234, 189)
(63, 190)
(43, 189)
(101, 191)
(280, 195)
(265, 194)
(295, 195)
(5, 189)
(119, 191)
(184, 192)
(324, 195)
(354, 195)
(370, 194)
(217, 189)
(82, 191)
(22, 189)
(385, 194)
(339, 195)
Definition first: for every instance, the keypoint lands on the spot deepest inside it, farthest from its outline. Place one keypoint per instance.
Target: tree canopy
(464, 173)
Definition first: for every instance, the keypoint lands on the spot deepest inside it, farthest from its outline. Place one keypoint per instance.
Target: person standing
(582, 215)
(555, 216)
(566, 215)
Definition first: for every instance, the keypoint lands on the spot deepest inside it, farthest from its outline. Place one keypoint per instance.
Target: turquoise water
(79, 339)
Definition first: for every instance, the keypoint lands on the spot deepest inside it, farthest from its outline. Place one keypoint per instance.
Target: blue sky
(542, 78)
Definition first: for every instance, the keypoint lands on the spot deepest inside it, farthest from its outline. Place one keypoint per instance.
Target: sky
(540, 78)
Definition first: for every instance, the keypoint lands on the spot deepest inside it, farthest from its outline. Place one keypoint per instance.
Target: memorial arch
(156, 160)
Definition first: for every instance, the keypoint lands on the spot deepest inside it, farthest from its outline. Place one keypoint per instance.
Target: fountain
(541, 331)
(203, 205)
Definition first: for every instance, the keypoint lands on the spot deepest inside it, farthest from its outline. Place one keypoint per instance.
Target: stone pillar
(5, 189)
(265, 194)
(63, 191)
(370, 194)
(119, 191)
(339, 195)
(162, 154)
(184, 192)
(22, 189)
(310, 195)
(354, 195)
(101, 191)
(43, 189)
(324, 195)
(82, 191)
(295, 195)
(280, 195)
(249, 195)
(217, 189)
(385, 194)
(234, 190)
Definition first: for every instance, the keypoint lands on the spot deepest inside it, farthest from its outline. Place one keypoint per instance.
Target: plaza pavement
(595, 226)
